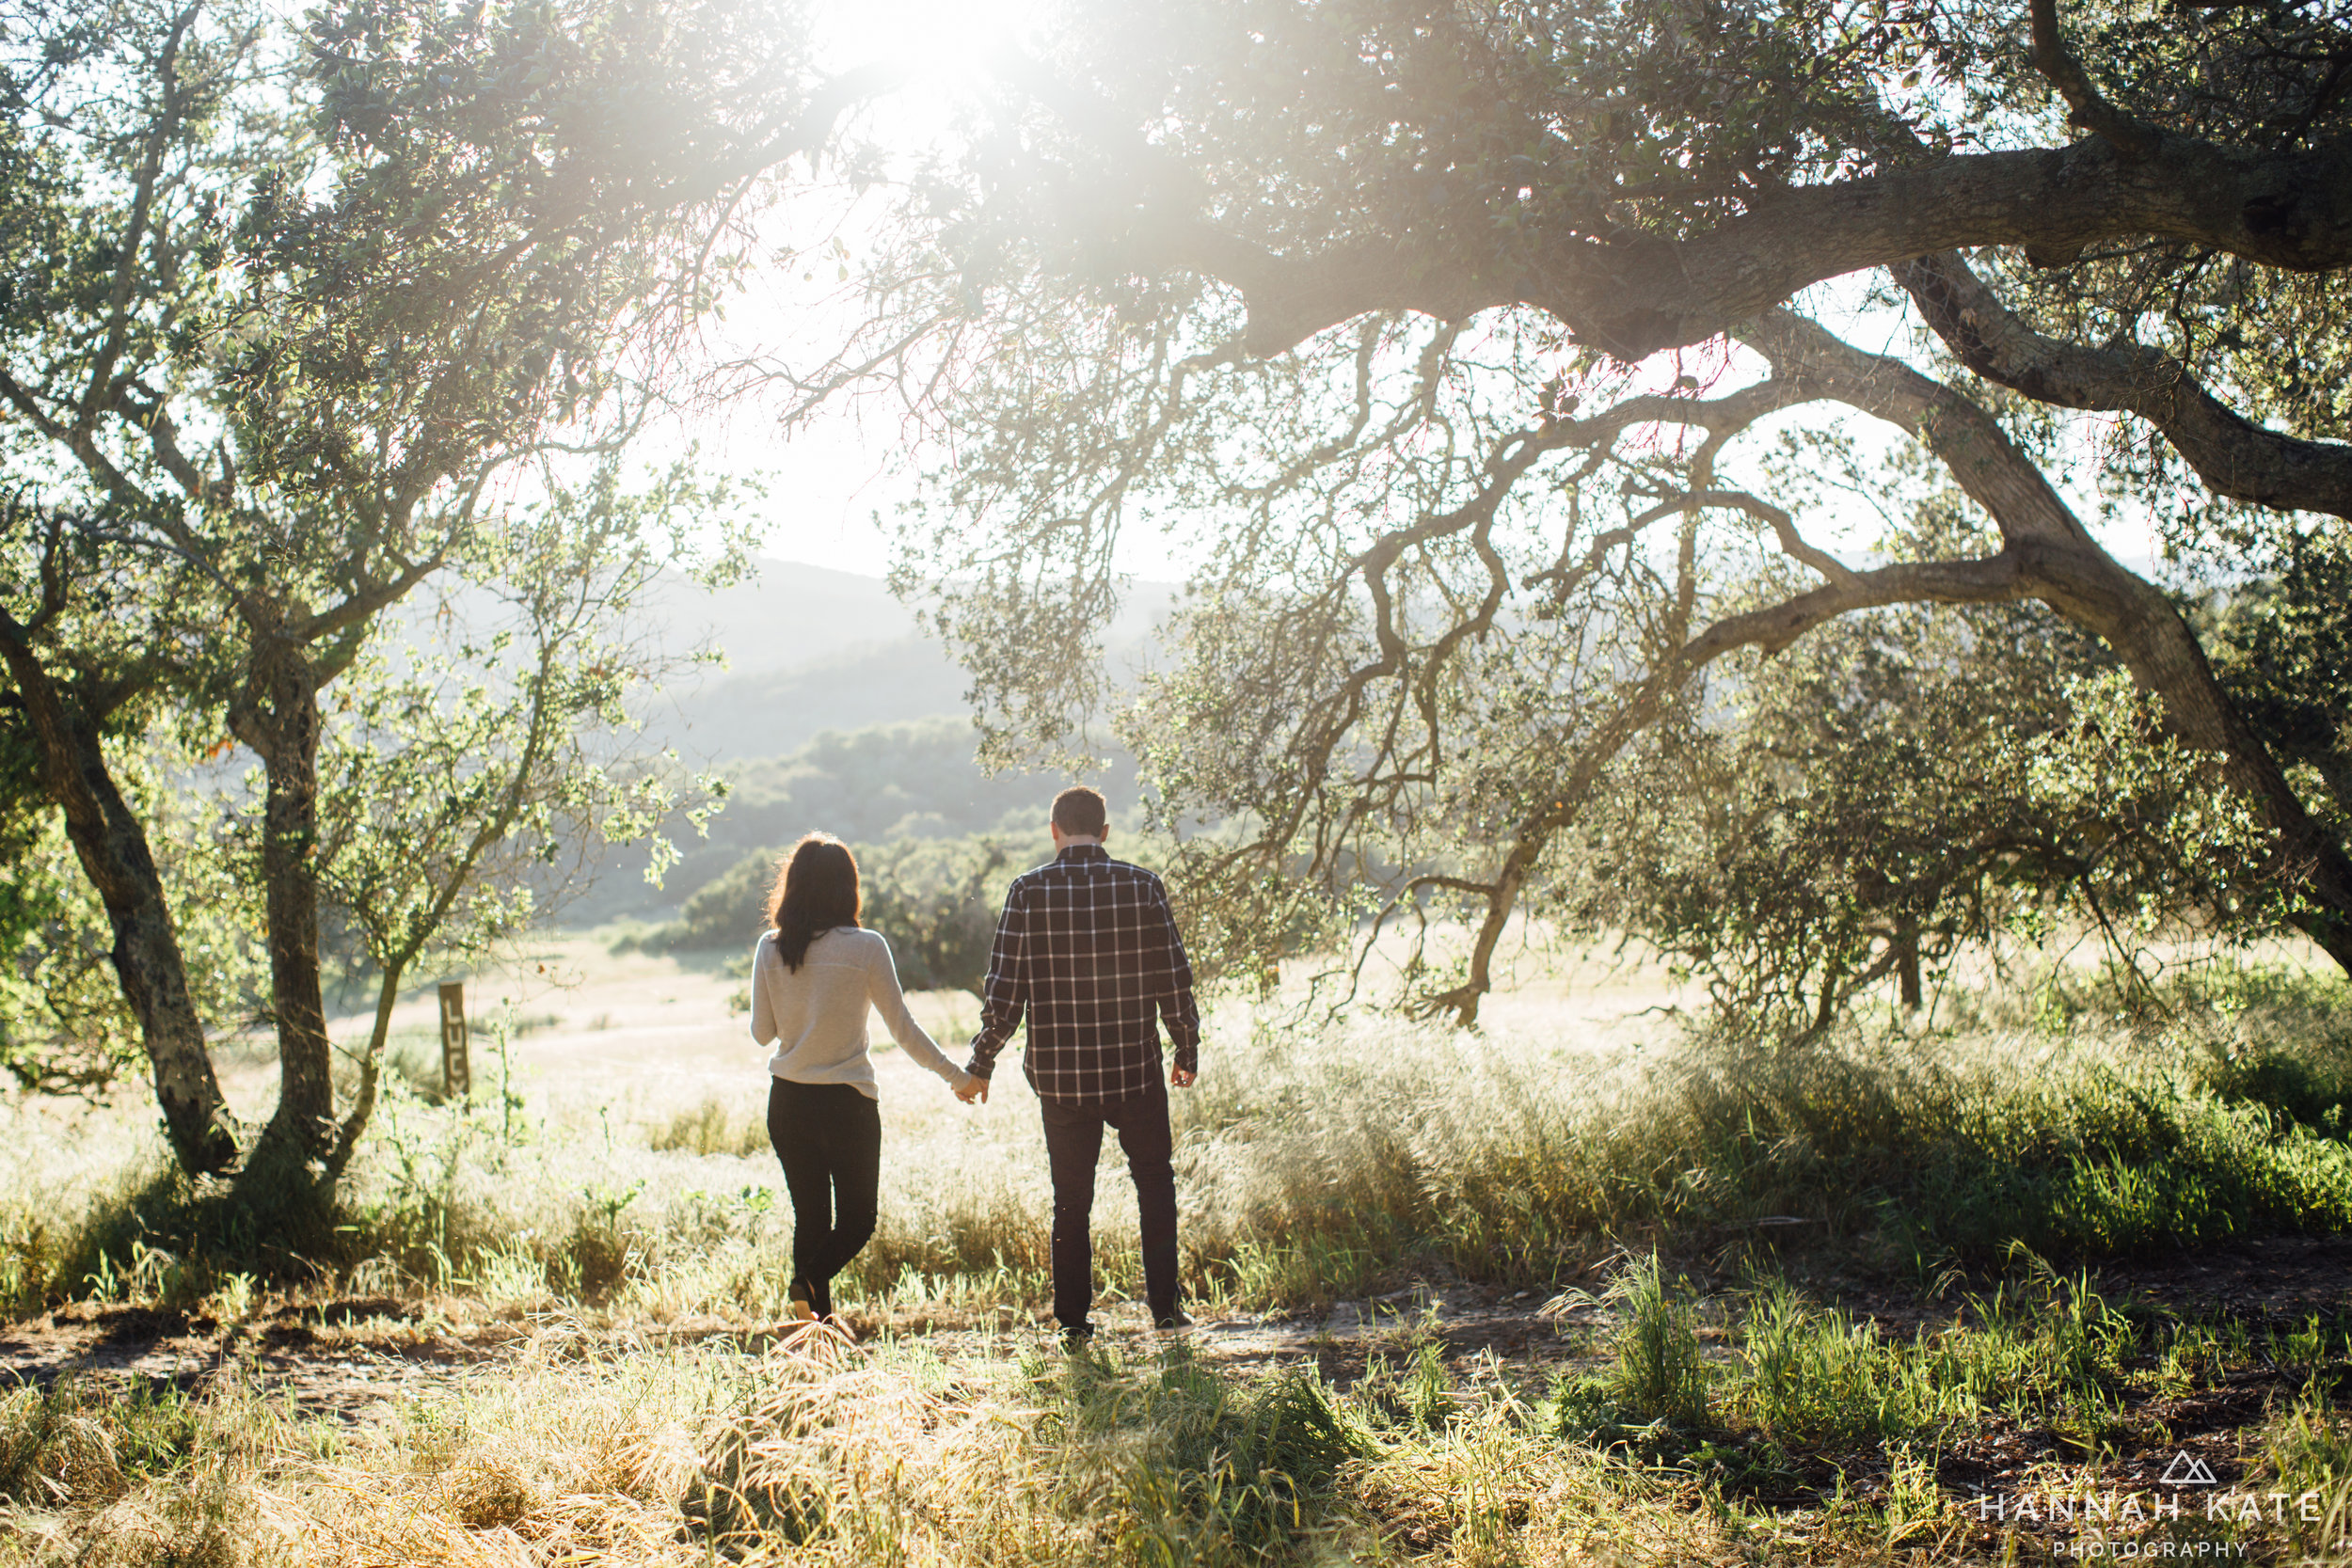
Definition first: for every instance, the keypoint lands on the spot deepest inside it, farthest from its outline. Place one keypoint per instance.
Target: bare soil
(348, 1354)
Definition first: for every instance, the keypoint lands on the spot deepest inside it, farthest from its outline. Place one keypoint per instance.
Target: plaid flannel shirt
(1087, 949)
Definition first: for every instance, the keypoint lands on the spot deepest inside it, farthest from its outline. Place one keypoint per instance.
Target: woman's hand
(972, 1088)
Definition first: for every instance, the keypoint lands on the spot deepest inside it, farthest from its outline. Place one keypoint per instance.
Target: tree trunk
(370, 1072)
(2148, 634)
(1907, 962)
(1826, 1014)
(278, 717)
(115, 855)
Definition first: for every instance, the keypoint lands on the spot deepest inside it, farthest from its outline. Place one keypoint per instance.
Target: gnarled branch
(2234, 457)
(2091, 110)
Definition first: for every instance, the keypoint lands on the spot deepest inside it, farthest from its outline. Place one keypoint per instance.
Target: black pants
(829, 1138)
(1074, 1142)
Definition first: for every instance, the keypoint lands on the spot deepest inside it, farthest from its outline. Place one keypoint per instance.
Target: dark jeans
(1074, 1142)
(829, 1138)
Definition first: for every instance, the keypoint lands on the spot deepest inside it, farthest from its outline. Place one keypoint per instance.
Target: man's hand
(975, 1089)
(1182, 1079)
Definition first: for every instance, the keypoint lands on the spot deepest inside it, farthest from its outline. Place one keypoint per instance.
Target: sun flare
(942, 43)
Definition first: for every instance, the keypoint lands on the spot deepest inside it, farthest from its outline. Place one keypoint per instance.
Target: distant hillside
(835, 714)
(892, 781)
(735, 717)
(872, 786)
(810, 649)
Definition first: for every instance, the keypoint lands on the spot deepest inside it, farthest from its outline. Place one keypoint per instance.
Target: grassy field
(1578, 1287)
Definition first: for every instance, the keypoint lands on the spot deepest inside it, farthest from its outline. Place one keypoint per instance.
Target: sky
(827, 482)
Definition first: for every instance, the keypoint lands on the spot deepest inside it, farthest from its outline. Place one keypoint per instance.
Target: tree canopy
(294, 323)
(1445, 324)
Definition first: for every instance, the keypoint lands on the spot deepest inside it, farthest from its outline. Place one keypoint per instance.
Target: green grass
(2049, 1352)
(1316, 1166)
(1714, 1411)
(606, 1449)
(1658, 1374)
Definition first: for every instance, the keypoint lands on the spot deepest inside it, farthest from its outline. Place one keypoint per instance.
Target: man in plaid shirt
(1087, 949)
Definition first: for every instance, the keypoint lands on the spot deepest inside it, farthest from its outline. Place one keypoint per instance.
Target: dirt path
(356, 1359)
(359, 1359)
(357, 1356)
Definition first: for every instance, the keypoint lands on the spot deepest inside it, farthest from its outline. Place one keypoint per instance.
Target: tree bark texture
(278, 716)
(115, 855)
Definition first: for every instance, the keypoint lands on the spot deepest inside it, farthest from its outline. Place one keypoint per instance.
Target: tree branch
(99, 392)
(163, 436)
(2233, 456)
(1984, 580)
(2091, 111)
(1970, 441)
(1634, 293)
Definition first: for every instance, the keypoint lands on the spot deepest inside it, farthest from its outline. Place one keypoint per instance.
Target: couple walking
(1086, 950)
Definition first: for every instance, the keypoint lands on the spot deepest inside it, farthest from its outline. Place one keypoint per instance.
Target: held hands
(974, 1091)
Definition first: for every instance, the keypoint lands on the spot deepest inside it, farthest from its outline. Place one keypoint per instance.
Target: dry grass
(828, 1453)
(590, 1448)
(821, 1451)
(1314, 1163)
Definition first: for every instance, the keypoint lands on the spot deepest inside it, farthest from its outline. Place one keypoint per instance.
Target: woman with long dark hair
(814, 974)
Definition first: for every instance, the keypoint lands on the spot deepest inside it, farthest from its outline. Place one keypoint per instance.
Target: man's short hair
(1081, 812)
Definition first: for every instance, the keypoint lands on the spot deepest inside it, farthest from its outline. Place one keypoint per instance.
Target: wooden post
(457, 1076)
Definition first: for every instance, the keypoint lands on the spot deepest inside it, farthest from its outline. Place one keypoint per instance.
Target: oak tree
(1441, 325)
(287, 318)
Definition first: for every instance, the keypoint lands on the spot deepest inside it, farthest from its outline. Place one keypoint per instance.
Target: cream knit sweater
(816, 1015)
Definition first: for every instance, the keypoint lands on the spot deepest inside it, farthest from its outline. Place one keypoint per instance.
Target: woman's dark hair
(815, 890)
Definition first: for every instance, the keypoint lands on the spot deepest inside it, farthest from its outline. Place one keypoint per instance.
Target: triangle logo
(2187, 1470)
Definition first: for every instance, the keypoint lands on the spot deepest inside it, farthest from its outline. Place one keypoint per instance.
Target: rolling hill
(832, 712)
